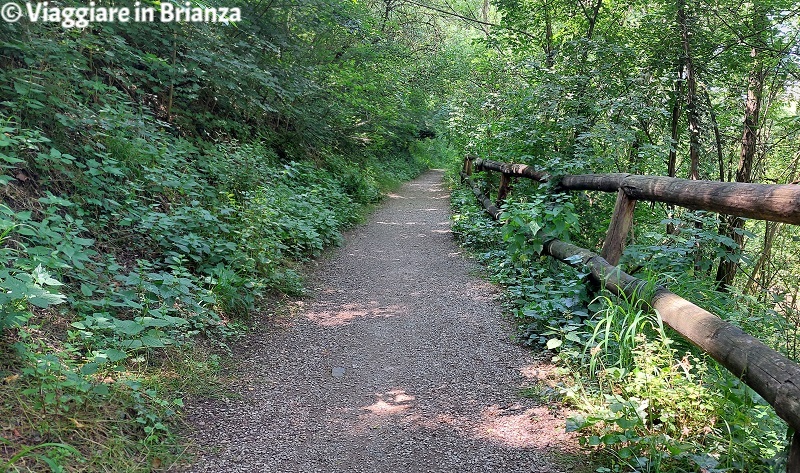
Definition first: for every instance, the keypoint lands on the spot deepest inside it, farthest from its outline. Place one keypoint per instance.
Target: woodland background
(163, 183)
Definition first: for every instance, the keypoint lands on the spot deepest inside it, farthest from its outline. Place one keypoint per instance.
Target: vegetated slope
(157, 180)
(401, 361)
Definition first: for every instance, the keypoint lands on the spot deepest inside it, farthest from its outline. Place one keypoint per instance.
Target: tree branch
(471, 20)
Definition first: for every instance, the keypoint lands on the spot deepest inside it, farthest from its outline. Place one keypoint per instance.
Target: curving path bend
(401, 362)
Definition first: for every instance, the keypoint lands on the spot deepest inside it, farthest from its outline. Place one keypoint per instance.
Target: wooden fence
(769, 373)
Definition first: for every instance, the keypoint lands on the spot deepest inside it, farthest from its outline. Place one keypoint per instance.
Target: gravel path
(401, 362)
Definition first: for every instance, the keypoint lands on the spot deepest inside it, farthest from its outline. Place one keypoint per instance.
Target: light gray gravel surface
(400, 362)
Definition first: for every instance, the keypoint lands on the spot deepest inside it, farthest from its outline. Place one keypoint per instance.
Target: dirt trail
(400, 362)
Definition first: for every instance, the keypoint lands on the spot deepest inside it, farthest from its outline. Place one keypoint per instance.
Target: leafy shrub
(648, 401)
(145, 242)
(530, 223)
(154, 191)
(690, 251)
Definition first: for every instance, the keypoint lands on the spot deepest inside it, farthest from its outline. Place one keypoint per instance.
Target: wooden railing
(769, 373)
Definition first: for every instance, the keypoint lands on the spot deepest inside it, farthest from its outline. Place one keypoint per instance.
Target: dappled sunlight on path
(401, 362)
(346, 313)
(512, 426)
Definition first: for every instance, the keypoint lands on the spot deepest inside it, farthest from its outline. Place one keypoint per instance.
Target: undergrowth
(162, 185)
(648, 400)
(115, 262)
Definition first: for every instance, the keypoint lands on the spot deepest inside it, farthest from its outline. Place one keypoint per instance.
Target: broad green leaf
(152, 342)
(128, 327)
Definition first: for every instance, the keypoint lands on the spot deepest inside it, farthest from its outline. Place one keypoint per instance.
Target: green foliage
(659, 410)
(436, 153)
(617, 330)
(530, 223)
(649, 402)
(691, 250)
(470, 224)
(23, 290)
(160, 181)
(546, 304)
(54, 451)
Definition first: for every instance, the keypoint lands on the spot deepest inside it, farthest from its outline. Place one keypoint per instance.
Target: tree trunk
(485, 17)
(549, 53)
(585, 121)
(672, 161)
(691, 93)
(692, 116)
(744, 173)
(387, 10)
(770, 232)
(717, 136)
(592, 17)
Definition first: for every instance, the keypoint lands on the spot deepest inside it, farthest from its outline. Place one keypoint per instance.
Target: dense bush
(142, 247)
(161, 184)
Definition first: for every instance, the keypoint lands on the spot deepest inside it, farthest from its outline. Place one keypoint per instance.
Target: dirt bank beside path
(400, 362)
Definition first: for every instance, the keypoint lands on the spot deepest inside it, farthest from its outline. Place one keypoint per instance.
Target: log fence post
(505, 185)
(618, 228)
(793, 463)
(466, 169)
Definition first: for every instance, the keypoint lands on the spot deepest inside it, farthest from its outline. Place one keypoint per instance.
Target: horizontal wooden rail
(515, 170)
(770, 374)
(774, 202)
(490, 208)
(777, 203)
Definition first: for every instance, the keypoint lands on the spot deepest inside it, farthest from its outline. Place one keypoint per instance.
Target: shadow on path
(400, 363)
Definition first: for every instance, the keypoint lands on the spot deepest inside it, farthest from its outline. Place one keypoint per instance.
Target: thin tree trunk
(485, 18)
(672, 160)
(583, 127)
(172, 77)
(676, 115)
(592, 17)
(744, 173)
(387, 10)
(723, 221)
(770, 232)
(692, 116)
(549, 53)
(717, 136)
(633, 154)
(691, 94)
